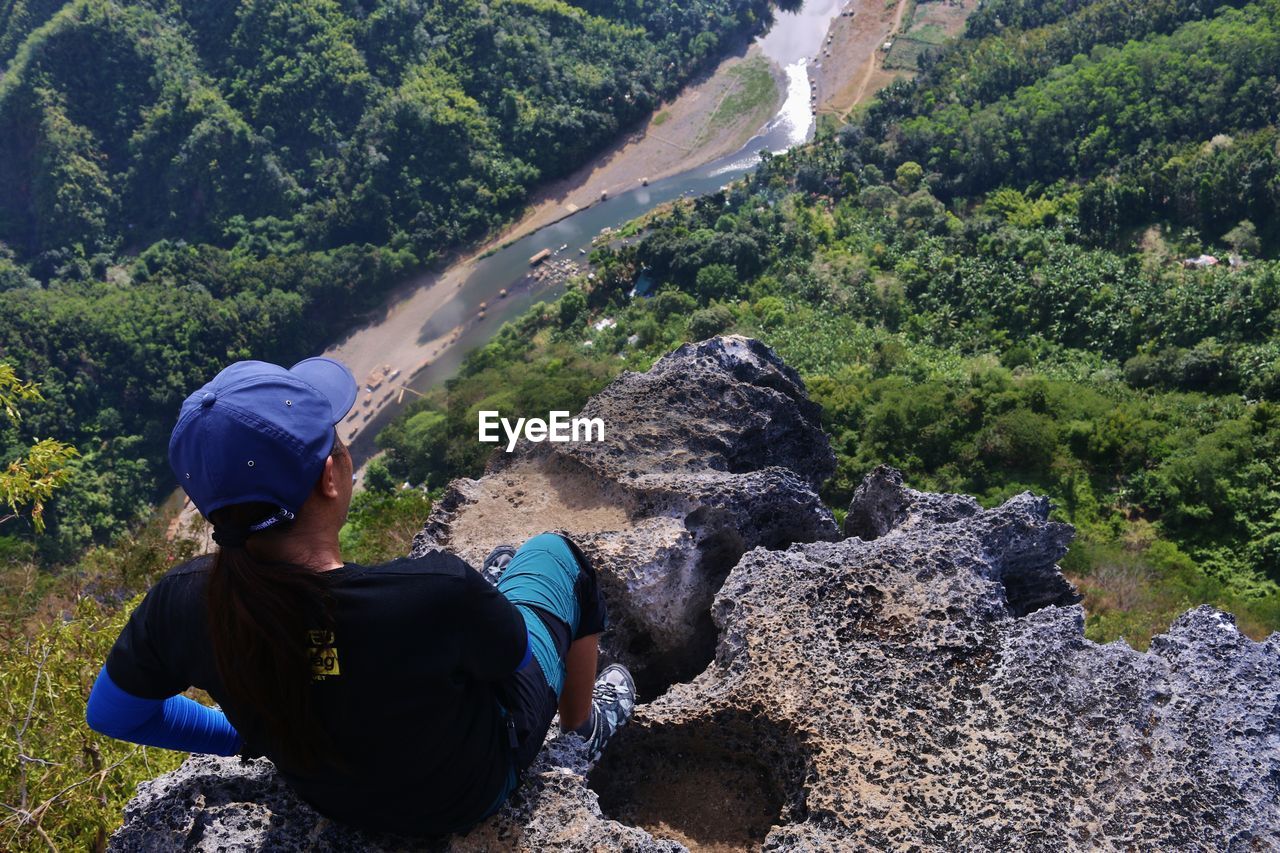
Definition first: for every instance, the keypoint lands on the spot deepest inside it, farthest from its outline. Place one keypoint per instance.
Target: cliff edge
(917, 681)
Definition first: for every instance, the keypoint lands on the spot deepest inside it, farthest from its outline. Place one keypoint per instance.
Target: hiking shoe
(613, 700)
(496, 563)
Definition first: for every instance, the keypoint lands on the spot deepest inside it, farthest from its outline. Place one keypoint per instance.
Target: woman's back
(402, 683)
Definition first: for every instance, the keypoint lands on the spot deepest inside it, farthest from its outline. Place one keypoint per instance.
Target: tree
(707, 322)
(670, 301)
(573, 308)
(909, 175)
(771, 311)
(416, 446)
(377, 477)
(716, 281)
(31, 479)
(1243, 238)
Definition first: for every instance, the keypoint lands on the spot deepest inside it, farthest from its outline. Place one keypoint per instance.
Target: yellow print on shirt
(324, 655)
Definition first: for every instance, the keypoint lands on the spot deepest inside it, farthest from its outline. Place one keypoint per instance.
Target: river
(790, 43)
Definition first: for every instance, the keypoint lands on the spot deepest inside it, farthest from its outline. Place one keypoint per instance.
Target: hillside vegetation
(982, 280)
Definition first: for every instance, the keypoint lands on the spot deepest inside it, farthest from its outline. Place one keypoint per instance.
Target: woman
(404, 697)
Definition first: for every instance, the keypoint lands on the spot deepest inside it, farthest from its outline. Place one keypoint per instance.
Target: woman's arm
(174, 723)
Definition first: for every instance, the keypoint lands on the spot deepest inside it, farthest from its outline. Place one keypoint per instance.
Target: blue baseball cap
(259, 432)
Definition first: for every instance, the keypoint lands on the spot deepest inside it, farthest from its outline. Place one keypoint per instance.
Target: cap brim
(332, 379)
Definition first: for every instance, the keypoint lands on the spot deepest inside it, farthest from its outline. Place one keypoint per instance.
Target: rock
(892, 694)
(882, 503)
(923, 684)
(225, 804)
(715, 450)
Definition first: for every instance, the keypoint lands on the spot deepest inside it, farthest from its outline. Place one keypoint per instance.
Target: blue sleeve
(174, 723)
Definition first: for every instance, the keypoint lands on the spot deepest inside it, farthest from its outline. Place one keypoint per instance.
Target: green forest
(996, 277)
(183, 184)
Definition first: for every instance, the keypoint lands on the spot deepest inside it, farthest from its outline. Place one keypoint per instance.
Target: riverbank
(855, 63)
(682, 134)
(713, 117)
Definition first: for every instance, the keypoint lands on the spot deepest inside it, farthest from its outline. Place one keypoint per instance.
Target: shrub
(716, 281)
(707, 322)
(672, 302)
(1020, 440)
(909, 175)
(1018, 355)
(573, 308)
(771, 311)
(381, 525)
(416, 448)
(377, 478)
(66, 784)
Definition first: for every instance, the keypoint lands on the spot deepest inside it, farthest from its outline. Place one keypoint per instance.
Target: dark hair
(260, 619)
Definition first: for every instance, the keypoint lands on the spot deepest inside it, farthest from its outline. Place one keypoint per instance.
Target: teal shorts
(547, 575)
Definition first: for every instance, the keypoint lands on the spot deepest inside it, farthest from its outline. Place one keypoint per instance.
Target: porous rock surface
(896, 699)
(923, 684)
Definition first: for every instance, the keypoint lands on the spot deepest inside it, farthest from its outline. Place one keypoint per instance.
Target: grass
(925, 25)
(754, 92)
(905, 53)
(1135, 584)
(661, 118)
(928, 33)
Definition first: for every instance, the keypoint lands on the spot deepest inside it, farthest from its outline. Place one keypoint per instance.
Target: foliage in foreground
(383, 521)
(39, 470)
(64, 785)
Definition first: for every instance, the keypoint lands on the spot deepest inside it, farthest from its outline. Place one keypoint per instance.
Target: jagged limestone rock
(229, 804)
(890, 694)
(882, 503)
(924, 684)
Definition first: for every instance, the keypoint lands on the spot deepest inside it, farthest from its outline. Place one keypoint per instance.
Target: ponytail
(260, 619)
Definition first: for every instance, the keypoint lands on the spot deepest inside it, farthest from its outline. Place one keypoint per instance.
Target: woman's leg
(550, 584)
(556, 593)
(555, 588)
(580, 677)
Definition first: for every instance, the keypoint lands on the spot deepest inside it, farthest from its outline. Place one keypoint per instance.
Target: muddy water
(791, 42)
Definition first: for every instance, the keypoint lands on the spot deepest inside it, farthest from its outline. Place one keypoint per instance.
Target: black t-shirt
(405, 686)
